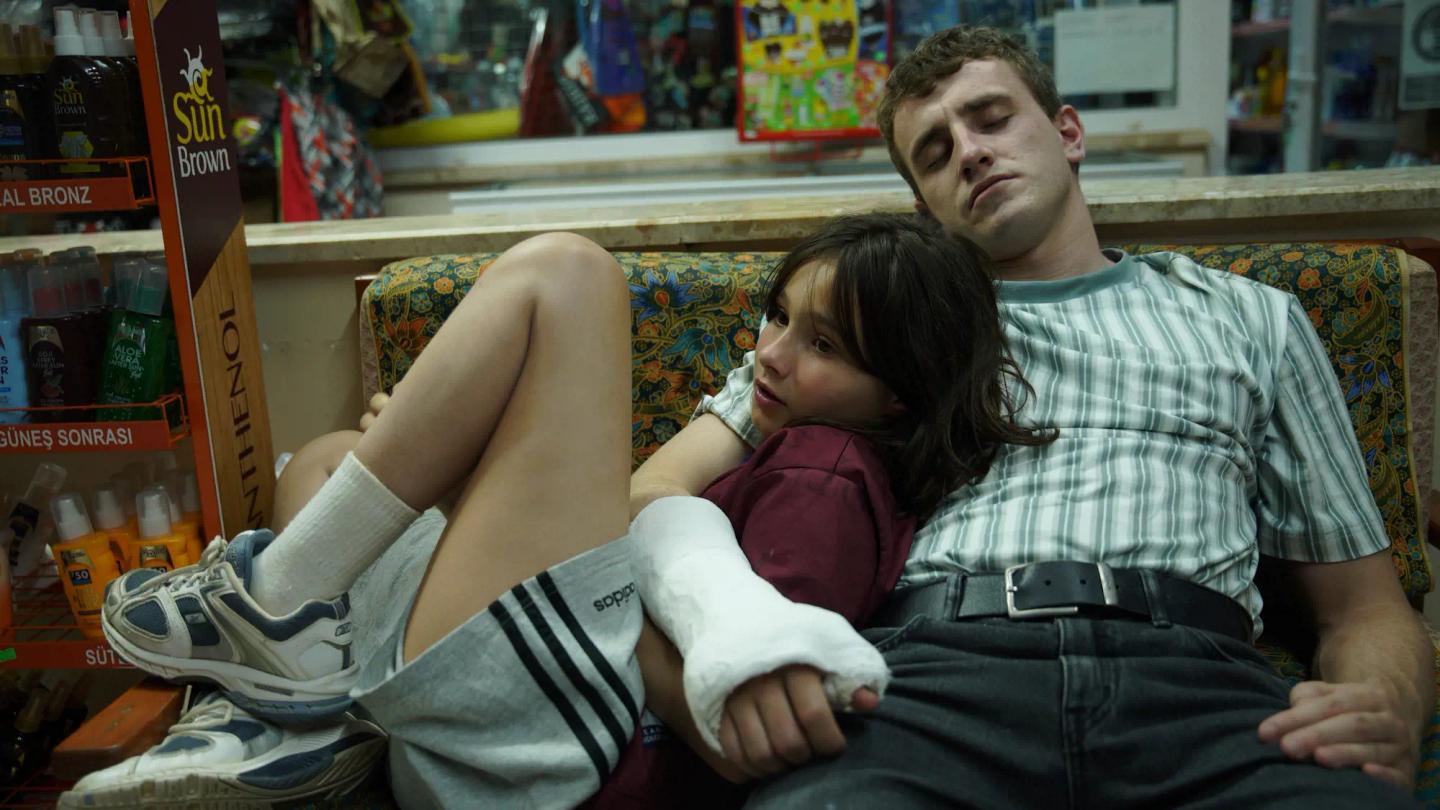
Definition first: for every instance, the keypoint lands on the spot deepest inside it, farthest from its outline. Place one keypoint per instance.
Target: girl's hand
(782, 719)
(377, 404)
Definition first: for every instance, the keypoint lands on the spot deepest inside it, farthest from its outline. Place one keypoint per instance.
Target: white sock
(345, 528)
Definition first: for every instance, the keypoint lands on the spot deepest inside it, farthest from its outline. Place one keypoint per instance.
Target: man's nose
(975, 157)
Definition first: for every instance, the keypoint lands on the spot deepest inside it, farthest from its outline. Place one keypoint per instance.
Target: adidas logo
(615, 598)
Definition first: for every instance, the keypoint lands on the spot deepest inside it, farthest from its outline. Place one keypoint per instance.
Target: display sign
(57, 196)
(1115, 50)
(64, 437)
(179, 53)
(1420, 56)
(811, 70)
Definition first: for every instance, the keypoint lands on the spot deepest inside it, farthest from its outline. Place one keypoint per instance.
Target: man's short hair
(943, 53)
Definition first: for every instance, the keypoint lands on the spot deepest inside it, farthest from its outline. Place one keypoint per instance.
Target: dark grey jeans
(1074, 713)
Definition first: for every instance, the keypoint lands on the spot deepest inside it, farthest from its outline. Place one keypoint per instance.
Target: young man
(1199, 426)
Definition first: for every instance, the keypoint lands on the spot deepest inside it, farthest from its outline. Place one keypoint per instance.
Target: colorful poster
(811, 69)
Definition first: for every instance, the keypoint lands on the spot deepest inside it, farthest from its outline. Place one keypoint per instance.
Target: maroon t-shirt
(815, 516)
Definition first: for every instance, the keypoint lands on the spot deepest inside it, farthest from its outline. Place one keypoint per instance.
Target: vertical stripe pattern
(1200, 424)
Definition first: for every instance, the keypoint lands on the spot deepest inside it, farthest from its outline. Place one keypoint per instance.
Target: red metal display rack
(90, 428)
(74, 186)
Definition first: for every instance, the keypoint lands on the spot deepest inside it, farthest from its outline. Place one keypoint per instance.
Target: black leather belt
(1055, 589)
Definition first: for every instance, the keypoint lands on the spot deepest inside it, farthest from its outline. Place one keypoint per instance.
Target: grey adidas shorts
(526, 705)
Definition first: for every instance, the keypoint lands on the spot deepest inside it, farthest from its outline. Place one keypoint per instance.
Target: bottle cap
(108, 512)
(74, 274)
(90, 31)
(189, 494)
(71, 520)
(124, 278)
(12, 290)
(46, 483)
(172, 493)
(129, 40)
(47, 290)
(151, 290)
(110, 32)
(92, 277)
(34, 57)
(153, 507)
(68, 41)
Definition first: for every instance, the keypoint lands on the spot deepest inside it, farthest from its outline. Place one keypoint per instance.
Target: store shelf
(86, 428)
(1388, 14)
(1255, 29)
(1360, 130)
(43, 633)
(75, 186)
(1260, 123)
(1338, 128)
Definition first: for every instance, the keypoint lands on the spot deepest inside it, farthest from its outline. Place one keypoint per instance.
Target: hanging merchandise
(327, 171)
(540, 116)
(371, 47)
(810, 71)
(602, 80)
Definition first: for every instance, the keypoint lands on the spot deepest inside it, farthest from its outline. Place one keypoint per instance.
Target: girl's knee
(566, 264)
(324, 453)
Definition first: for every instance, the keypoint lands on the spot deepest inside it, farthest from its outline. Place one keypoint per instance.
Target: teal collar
(1065, 289)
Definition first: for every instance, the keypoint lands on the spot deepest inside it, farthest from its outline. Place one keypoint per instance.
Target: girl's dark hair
(916, 308)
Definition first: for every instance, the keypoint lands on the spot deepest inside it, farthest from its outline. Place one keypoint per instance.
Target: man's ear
(1072, 133)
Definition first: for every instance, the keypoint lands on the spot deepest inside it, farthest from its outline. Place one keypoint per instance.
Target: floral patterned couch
(695, 314)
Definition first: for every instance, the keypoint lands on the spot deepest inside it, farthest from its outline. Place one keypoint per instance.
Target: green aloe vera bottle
(135, 354)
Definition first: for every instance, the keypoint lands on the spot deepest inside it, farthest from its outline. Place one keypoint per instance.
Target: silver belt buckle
(1107, 589)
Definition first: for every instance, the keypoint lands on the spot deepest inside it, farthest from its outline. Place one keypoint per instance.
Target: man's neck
(1070, 249)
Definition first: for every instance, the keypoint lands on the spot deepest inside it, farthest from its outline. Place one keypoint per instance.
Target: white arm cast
(729, 624)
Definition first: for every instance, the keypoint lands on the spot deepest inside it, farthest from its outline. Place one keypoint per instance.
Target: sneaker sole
(226, 791)
(268, 696)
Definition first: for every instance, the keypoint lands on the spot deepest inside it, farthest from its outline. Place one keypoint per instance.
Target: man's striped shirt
(1200, 424)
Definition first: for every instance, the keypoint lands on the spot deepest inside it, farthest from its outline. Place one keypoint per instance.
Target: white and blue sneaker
(220, 756)
(198, 623)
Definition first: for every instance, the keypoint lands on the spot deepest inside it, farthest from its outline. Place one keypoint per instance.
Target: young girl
(497, 646)
(881, 386)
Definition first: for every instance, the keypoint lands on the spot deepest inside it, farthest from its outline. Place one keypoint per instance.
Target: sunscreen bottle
(157, 547)
(110, 520)
(85, 560)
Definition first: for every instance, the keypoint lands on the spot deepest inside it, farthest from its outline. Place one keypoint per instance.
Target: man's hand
(1347, 725)
(783, 719)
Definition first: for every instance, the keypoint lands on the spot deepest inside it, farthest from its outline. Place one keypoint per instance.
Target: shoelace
(188, 575)
(215, 712)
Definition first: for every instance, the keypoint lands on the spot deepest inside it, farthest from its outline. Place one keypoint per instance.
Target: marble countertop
(1247, 202)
